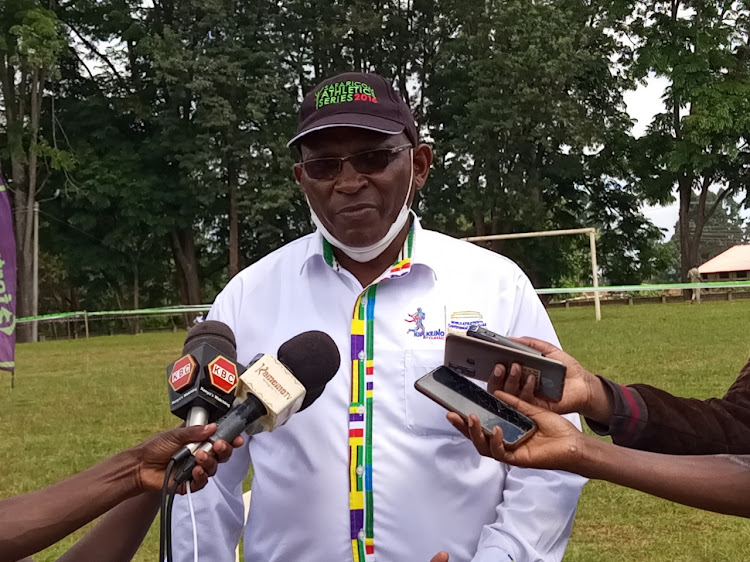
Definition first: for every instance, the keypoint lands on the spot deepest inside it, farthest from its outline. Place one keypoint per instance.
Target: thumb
(539, 345)
(441, 556)
(514, 402)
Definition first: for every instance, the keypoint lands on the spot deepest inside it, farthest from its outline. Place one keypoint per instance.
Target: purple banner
(7, 283)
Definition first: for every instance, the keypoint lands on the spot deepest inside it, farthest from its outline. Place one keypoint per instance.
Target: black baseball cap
(355, 99)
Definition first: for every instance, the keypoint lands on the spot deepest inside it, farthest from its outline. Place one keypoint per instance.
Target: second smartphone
(462, 396)
(476, 358)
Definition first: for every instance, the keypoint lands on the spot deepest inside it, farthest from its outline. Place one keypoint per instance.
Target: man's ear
(297, 170)
(422, 164)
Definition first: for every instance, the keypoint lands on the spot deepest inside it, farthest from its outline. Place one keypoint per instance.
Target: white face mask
(364, 254)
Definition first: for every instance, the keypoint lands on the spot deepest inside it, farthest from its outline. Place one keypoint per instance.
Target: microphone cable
(168, 518)
(165, 520)
(192, 520)
(162, 509)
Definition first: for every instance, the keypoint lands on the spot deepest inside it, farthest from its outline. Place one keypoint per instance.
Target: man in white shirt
(373, 470)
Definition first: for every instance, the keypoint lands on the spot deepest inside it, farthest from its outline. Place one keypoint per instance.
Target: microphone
(272, 390)
(203, 381)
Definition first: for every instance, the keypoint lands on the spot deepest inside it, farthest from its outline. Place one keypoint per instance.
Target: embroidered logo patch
(462, 320)
(418, 330)
(345, 91)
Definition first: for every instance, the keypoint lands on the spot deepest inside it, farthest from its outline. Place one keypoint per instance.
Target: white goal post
(592, 244)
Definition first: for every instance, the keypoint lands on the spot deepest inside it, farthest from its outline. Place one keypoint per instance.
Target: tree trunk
(234, 238)
(23, 175)
(25, 258)
(688, 249)
(136, 297)
(185, 258)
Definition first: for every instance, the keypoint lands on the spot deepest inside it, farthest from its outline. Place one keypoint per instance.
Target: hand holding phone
(584, 392)
(555, 445)
(476, 354)
(457, 394)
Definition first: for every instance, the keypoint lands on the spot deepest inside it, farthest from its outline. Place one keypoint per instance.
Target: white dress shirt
(431, 490)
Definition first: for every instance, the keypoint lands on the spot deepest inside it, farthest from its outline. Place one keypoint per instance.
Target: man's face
(357, 208)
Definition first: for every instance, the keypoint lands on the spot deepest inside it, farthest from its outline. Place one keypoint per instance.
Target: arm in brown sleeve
(650, 419)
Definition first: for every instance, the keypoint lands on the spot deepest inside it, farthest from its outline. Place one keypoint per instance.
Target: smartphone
(484, 334)
(476, 358)
(460, 395)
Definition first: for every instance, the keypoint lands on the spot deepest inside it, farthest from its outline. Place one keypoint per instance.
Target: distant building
(731, 265)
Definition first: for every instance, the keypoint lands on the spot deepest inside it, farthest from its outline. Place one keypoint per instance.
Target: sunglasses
(370, 162)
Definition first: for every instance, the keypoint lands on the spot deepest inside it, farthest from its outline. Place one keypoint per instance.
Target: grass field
(77, 402)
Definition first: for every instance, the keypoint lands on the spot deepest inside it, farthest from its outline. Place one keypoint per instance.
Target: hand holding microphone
(272, 390)
(202, 383)
(153, 455)
(118, 484)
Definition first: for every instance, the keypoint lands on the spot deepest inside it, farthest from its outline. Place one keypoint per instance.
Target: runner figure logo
(418, 320)
(419, 330)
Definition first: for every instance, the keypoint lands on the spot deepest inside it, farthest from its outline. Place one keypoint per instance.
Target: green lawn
(77, 402)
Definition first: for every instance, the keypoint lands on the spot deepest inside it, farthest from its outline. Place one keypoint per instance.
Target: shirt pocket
(424, 417)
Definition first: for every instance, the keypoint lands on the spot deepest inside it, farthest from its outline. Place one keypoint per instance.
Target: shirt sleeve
(629, 414)
(652, 419)
(536, 515)
(219, 508)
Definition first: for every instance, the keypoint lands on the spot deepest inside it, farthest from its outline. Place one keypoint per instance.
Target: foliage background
(152, 133)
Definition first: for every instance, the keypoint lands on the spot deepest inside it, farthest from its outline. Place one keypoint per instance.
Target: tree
(30, 44)
(722, 230)
(529, 124)
(170, 123)
(700, 142)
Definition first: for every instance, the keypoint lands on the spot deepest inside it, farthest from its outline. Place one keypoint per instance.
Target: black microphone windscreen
(214, 333)
(313, 359)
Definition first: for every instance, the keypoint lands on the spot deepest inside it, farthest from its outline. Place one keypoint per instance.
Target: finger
(440, 557)
(497, 379)
(539, 345)
(497, 447)
(515, 402)
(527, 391)
(200, 479)
(477, 436)
(513, 382)
(222, 450)
(458, 422)
(238, 442)
(207, 462)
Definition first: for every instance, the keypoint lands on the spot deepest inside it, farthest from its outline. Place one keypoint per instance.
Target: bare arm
(719, 483)
(118, 535)
(716, 483)
(32, 522)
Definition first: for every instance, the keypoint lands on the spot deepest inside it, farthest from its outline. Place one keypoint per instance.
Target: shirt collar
(320, 248)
